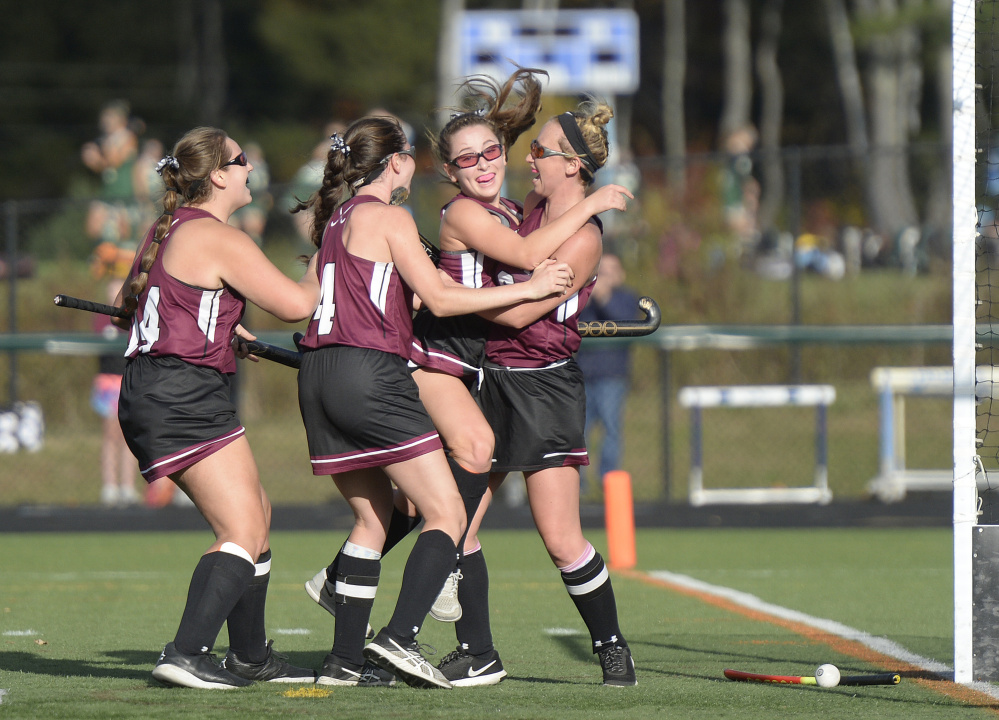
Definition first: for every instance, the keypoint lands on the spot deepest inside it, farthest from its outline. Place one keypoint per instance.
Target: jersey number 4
(327, 308)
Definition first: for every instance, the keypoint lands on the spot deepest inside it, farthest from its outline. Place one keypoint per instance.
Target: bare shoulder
(381, 219)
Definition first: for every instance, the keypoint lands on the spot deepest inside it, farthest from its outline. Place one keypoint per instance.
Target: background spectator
(606, 369)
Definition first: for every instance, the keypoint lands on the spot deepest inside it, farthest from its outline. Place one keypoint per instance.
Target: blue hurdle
(696, 398)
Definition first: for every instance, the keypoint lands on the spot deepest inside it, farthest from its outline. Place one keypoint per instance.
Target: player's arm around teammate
(533, 392)
(188, 289)
(364, 422)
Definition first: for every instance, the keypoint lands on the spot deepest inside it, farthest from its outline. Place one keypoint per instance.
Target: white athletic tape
(234, 549)
(359, 551)
(365, 592)
(590, 586)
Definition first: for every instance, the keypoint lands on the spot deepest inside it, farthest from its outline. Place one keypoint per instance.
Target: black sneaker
(194, 671)
(370, 675)
(404, 659)
(464, 670)
(321, 590)
(272, 668)
(619, 668)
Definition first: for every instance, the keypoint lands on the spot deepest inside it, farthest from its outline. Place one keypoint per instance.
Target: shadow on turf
(61, 667)
(123, 664)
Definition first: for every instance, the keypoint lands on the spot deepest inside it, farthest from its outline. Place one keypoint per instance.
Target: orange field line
(841, 645)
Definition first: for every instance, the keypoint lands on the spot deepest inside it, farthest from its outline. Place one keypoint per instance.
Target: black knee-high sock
(356, 582)
(472, 487)
(429, 564)
(217, 583)
(247, 629)
(400, 526)
(591, 591)
(473, 630)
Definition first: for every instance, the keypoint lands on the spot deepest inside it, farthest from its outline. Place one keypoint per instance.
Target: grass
(104, 604)
(743, 448)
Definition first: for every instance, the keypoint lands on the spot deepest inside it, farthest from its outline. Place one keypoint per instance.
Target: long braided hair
(185, 173)
(489, 105)
(354, 160)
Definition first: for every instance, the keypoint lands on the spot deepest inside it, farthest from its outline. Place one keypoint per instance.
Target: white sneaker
(109, 496)
(404, 661)
(128, 496)
(446, 607)
(181, 499)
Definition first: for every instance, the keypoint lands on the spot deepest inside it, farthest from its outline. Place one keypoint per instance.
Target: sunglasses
(472, 159)
(238, 160)
(540, 151)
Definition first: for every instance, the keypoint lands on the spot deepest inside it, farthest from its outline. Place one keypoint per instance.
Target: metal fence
(667, 241)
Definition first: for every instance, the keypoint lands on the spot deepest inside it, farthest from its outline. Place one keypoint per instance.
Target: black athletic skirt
(361, 409)
(537, 416)
(452, 345)
(174, 414)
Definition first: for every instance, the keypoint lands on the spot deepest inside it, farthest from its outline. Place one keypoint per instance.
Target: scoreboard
(582, 50)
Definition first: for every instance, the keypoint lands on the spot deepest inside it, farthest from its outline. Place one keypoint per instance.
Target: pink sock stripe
(587, 555)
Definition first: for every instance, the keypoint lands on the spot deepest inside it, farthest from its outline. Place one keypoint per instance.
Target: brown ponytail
(591, 118)
(185, 173)
(490, 107)
(353, 161)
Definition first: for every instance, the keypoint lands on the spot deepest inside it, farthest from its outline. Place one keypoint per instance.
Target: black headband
(575, 137)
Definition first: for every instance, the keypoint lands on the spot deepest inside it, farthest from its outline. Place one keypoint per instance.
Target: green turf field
(83, 618)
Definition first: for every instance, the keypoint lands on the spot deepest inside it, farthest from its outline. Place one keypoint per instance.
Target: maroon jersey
(547, 340)
(180, 320)
(455, 345)
(362, 303)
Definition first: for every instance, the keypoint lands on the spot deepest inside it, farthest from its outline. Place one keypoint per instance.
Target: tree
(771, 113)
(674, 72)
(737, 107)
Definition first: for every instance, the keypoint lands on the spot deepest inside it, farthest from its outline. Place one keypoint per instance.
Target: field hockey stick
(876, 679)
(274, 353)
(68, 301)
(625, 328)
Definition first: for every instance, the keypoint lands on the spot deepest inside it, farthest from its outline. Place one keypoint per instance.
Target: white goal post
(965, 220)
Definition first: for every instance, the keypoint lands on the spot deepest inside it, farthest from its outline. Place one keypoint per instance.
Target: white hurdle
(892, 385)
(696, 398)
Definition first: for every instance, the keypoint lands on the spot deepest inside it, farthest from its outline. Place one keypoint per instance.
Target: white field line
(562, 632)
(878, 644)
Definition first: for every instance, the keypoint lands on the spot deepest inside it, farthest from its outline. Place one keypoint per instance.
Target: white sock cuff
(477, 548)
(234, 549)
(587, 555)
(358, 551)
(262, 568)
